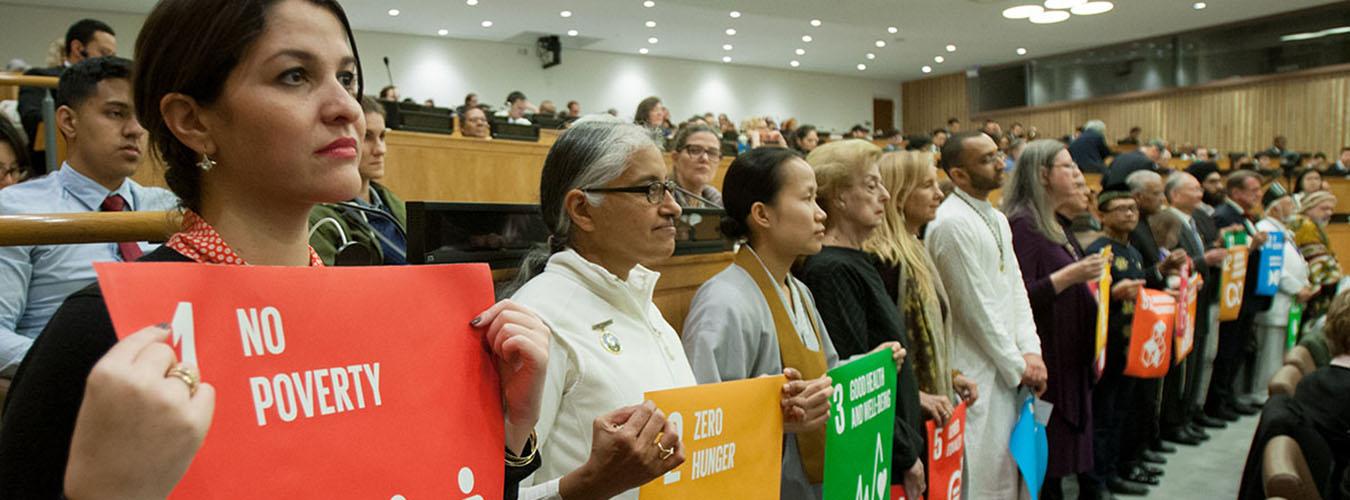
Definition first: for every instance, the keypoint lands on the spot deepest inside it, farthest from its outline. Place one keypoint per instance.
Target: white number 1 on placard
(184, 336)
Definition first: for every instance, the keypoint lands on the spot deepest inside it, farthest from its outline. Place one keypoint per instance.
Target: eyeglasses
(656, 191)
(695, 151)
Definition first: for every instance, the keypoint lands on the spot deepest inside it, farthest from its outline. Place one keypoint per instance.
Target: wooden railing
(87, 227)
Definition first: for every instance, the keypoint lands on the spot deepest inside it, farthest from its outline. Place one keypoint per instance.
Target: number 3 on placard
(837, 402)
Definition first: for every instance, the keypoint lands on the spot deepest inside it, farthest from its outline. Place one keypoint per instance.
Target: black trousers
(1183, 380)
(1234, 337)
(1112, 399)
(1141, 429)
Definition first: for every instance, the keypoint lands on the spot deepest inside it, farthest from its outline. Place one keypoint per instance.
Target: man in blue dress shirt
(104, 143)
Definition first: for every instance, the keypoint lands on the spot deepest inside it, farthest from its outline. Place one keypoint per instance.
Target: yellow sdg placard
(733, 440)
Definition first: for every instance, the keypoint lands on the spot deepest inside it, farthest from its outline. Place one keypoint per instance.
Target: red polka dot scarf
(201, 243)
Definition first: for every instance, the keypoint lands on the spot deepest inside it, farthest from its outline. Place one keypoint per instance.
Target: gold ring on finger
(665, 452)
(188, 377)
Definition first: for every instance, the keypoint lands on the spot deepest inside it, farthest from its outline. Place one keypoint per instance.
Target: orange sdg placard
(733, 441)
(330, 383)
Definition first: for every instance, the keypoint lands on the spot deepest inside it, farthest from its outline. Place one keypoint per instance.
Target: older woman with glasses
(1044, 193)
(696, 157)
(610, 212)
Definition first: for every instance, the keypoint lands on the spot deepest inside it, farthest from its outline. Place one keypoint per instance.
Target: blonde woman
(913, 282)
(849, 291)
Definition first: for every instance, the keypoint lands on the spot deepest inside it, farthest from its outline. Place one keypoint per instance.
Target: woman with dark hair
(754, 318)
(610, 212)
(376, 220)
(1308, 181)
(696, 155)
(850, 293)
(653, 116)
(805, 139)
(253, 110)
(14, 165)
(1043, 194)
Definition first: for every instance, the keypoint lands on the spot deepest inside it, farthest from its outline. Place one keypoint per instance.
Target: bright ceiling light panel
(1022, 11)
(1063, 4)
(393, 12)
(726, 46)
(794, 63)
(881, 43)
(653, 40)
(801, 52)
(565, 13)
(573, 32)
(1199, 5)
(871, 56)
(807, 38)
(731, 31)
(927, 69)
(815, 22)
(939, 59)
(486, 24)
(651, 24)
(649, 4)
(1021, 51)
(735, 14)
(862, 67)
(1092, 8)
(1050, 17)
(892, 30)
(951, 48)
(726, 58)
(643, 50)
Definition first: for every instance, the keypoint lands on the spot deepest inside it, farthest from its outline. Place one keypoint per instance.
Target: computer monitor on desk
(498, 234)
(549, 121)
(512, 132)
(418, 118)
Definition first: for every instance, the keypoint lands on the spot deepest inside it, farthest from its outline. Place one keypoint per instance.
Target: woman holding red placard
(252, 104)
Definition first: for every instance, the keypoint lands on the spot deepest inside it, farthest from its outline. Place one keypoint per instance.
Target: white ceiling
(769, 31)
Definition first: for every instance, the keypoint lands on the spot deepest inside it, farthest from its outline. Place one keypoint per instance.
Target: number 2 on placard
(837, 403)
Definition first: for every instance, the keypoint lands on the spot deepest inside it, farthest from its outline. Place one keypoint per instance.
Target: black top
(1089, 151)
(1229, 214)
(1142, 241)
(45, 397)
(860, 315)
(1126, 264)
(1122, 167)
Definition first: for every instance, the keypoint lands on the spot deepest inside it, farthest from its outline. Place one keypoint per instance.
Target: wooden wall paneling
(1239, 114)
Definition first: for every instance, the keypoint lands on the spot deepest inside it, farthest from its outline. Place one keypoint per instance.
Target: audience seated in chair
(105, 143)
(372, 226)
(474, 124)
(516, 107)
(14, 162)
(85, 39)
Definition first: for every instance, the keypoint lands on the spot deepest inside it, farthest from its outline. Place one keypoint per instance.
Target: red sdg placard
(331, 383)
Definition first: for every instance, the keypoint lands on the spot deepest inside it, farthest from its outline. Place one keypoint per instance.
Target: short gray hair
(593, 152)
(1174, 182)
(1097, 126)
(1140, 179)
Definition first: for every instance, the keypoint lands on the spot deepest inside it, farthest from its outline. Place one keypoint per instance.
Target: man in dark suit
(1150, 156)
(1180, 388)
(1244, 197)
(85, 39)
(1089, 150)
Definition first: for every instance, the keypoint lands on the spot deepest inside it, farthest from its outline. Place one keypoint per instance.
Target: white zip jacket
(610, 344)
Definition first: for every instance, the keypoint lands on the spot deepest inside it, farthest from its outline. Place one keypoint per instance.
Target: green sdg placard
(861, 424)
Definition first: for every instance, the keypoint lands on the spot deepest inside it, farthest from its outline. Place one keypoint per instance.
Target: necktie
(129, 250)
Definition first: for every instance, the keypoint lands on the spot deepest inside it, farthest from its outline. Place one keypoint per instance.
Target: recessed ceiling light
(806, 38)
(471, 3)
(1091, 8)
(892, 30)
(926, 69)
(871, 56)
(573, 33)
(642, 50)
(442, 32)
(565, 13)
(1022, 11)
(1199, 5)
(735, 14)
(731, 31)
(653, 40)
(649, 4)
(939, 59)
(801, 52)
(951, 48)
(726, 58)
(862, 67)
(1050, 17)
(726, 46)
(815, 22)
(393, 12)
(1021, 51)
(881, 43)
(486, 24)
(794, 63)
(1063, 4)
(651, 24)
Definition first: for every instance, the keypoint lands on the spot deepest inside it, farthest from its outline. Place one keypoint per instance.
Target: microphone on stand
(389, 72)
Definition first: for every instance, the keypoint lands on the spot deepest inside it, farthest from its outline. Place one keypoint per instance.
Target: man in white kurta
(991, 325)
